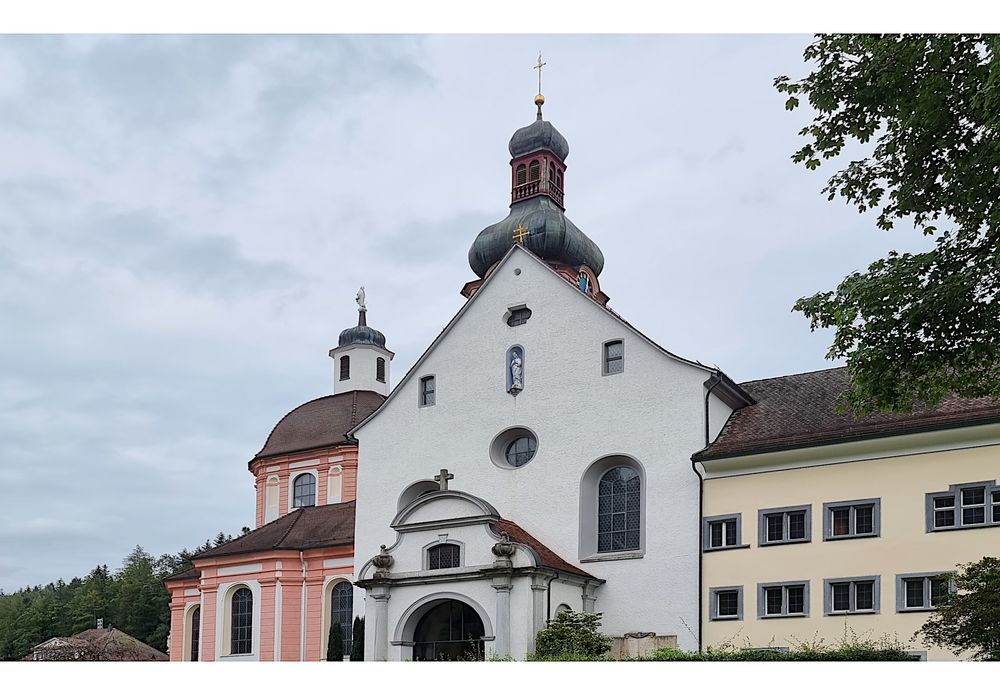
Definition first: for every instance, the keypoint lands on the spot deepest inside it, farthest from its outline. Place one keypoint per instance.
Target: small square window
(841, 597)
(725, 603)
(851, 519)
(518, 316)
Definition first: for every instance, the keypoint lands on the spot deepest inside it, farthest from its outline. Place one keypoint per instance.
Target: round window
(520, 451)
(513, 447)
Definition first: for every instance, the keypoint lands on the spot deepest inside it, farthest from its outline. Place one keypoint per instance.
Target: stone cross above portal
(443, 478)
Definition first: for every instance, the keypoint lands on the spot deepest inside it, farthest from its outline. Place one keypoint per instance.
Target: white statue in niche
(516, 378)
(361, 298)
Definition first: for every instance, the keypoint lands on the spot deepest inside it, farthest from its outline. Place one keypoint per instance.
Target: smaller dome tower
(361, 360)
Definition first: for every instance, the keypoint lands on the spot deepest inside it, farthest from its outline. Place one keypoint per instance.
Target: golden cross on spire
(539, 68)
(520, 232)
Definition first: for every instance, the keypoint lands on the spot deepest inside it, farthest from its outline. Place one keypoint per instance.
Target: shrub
(571, 635)
(358, 639)
(335, 644)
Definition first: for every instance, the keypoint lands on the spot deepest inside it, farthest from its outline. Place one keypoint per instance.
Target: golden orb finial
(539, 99)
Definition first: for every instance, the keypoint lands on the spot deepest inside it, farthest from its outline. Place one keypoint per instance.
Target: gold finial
(520, 232)
(540, 98)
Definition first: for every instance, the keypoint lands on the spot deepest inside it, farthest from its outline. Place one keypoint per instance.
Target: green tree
(572, 634)
(358, 639)
(914, 326)
(969, 620)
(335, 644)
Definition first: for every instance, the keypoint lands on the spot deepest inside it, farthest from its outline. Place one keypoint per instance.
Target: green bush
(572, 634)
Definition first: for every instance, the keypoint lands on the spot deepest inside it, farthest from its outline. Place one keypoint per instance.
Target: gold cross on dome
(520, 232)
(539, 68)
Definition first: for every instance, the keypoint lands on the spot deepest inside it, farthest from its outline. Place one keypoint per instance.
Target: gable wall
(653, 412)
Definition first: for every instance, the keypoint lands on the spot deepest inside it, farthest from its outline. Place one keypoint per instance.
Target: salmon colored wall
(344, 456)
(178, 605)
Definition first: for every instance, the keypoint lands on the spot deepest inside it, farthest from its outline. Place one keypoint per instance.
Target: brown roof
(547, 558)
(309, 527)
(800, 410)
(186, 574)
(321, 422)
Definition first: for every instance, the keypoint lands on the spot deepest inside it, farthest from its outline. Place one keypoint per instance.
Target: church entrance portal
(449, 631)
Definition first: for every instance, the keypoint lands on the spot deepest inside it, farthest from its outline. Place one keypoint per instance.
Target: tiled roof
(800, 410)
(309, 527)
(99, 644)
(321, 422)
(547, 557)
(186, 574)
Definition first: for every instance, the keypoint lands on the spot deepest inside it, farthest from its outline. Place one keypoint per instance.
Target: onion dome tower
(361, 360)
(537, 219)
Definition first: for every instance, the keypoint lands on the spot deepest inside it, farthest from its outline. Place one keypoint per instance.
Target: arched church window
(380, 369)
(618, 510)
(342, 611)
(304, 491)
(444, 555)
(534, 170)
(345, 368)
(522, 174)
(241, 634)
(552, 173)
(195, 632)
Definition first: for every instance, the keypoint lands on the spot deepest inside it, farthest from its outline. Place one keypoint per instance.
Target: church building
(544, 455)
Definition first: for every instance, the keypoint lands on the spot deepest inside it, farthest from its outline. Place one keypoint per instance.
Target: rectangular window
(784, 525)
(722, 532)
(614, 357)
(725, 603)
(784, 600)
(427, 391)
(851, 519)
(851, 595)
(967, 505)
(345, 368)
(922, 592)
(380, 369)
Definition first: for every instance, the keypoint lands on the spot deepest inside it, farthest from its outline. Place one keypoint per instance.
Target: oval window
(521, 450)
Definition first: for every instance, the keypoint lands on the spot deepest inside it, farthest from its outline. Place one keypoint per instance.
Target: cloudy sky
(184, 222)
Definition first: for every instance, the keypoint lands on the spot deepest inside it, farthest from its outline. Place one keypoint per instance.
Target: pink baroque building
(274, 593)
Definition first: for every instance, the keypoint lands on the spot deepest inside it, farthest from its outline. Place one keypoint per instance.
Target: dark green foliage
(358, 639)
(335, 643)
(572, 634)
(969, 620)
(913, 327)
(133, 599)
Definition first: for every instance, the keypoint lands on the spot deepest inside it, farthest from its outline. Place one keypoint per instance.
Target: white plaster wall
(654, 412)
(363, 359)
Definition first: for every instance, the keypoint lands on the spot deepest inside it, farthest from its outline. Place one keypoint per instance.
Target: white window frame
(713, 603)
(956, 492)
(784, 586)
(852, 506)
(291, 487)
(762, 515)
(927, 605)
(852, 582)
(709, 521)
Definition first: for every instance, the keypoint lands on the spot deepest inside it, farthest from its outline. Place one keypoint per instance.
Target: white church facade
(544, 455)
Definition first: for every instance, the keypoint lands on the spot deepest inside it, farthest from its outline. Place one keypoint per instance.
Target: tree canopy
(133, 599)
(969, 619)
(913, 327)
